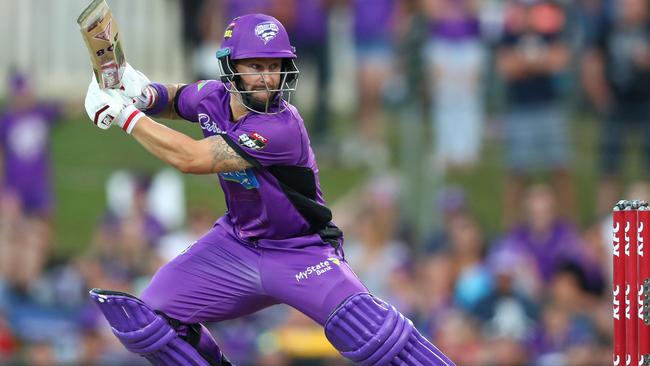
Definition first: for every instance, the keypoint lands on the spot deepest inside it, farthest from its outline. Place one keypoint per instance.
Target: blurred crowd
(537, 292)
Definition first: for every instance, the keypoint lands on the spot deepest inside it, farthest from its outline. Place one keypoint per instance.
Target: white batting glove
(138, 89)
(108, 106)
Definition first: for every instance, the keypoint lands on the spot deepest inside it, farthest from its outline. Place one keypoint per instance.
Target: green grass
(85, 156)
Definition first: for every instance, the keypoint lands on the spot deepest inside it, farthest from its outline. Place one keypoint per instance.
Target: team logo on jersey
(267, 31)
(244, 177)
(253, 141)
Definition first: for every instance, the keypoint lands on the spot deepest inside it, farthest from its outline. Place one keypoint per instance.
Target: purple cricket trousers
(221, 277)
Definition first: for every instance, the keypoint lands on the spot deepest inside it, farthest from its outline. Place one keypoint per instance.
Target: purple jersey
(25, 141)
(280, 197)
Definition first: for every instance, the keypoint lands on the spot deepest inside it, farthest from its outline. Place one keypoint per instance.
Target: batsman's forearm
(170, 146)
(168, 111)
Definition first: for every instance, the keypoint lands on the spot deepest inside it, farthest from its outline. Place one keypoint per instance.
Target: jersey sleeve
(189, 97)
(268, 142)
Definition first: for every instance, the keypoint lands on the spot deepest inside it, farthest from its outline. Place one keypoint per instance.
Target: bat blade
(100, 33)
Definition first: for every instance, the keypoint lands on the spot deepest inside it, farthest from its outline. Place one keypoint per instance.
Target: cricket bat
(100, 33)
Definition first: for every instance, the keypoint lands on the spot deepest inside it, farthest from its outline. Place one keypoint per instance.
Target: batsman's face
(261, 74)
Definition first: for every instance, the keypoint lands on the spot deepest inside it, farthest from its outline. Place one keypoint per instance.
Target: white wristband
(128, 118)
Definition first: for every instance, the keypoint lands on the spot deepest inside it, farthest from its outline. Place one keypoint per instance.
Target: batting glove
(137, 87)
(108, 106)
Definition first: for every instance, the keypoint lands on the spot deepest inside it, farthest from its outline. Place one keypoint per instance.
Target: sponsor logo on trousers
(316, 270)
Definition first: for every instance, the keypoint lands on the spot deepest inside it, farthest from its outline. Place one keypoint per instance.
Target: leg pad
(369, 331)
(141, 330)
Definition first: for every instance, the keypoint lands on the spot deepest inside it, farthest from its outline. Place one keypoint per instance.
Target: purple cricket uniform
(25, 141)
(276, 243)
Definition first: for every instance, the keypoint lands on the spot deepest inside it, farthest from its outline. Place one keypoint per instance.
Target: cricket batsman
(275, 244)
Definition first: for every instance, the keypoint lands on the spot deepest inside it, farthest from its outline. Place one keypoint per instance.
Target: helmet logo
(267, 31)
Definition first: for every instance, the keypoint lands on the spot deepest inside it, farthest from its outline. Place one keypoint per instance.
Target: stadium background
(423, 232)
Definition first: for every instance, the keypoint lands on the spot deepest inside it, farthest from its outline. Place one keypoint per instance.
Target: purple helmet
(258, 36)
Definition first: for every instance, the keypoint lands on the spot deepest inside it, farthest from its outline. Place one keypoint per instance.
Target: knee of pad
(136, 325)
(145, 332)
(369, 331)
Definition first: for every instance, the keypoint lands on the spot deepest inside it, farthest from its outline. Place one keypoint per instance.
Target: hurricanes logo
(267, 31)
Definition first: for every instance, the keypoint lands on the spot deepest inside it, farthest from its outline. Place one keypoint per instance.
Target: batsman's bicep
(219, 157)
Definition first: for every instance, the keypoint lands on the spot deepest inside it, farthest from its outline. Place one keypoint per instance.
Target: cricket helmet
(258, 36)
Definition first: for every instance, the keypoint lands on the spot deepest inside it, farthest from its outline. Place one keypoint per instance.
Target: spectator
(308, 20)
(459, 338)
(170, 245)
(122, 248)
(473, 281)
(456, 60)
(544, 241)
(435, 283)
(567, 327)
(373, 47)
(616, 75)
(451, 203)
(373, 249)
(505, 351)
(531, 56)
(24, 149)
(507, 311)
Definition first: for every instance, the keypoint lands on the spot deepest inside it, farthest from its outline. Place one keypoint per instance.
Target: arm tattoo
(225, 157)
